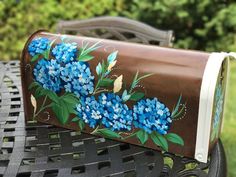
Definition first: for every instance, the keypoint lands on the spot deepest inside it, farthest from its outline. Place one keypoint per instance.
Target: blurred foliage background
(208, 25)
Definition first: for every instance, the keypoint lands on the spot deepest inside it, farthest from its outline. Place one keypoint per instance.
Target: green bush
(209, 25)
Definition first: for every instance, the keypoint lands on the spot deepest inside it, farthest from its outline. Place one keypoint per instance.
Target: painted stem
(129, 136)
(43, 107)
(95, 130)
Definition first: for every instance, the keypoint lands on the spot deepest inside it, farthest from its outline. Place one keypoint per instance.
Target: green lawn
(229, 131)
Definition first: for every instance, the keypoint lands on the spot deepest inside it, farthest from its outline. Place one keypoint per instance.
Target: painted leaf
(70, 107)
(99, 69)
(176, 108)
(180, 112)
(142, 136)
(61, 112)
(104, 67)
(111, 65)
(33, 59)
(118, 84)
(106, 82)
(63, 37)
(33, 84)
(108, 133)
(70, 99)
(159, 140)
(137, 96)
(75, 119)
(86, 58)
(174, 138)
(39, 92)
(33, 102)
(84, 55)
(112, 57)
(49, 49)
(52, 95)
(125, 96)
(81, 124)
(93, 47)
(144, 76)
(46, 54)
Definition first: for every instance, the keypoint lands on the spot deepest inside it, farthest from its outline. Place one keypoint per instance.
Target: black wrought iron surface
(37, 150)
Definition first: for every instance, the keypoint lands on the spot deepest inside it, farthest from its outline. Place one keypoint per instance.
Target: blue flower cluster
(38, 46)
(115, 114)
(108, 110)
(65, 52)
(152, 115)
(89, 111)
(65, 71)
(47, 73)
(218, 106)
(77, 78)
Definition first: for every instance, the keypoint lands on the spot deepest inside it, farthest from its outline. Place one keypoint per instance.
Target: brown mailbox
(160, 98)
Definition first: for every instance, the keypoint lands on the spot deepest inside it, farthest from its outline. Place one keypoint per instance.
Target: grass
(228, 135)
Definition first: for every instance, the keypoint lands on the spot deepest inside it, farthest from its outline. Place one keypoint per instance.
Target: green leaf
(46, 54)
(142, 136)
(85, 57)
(134, 80)
(104, 67)
(176, 108)
(36, 57)
(38, 92)
(75, 119)
(137, 96)
(125, 96)
(33, 84)
(99, 69)
(93, 47)
(179, 113)
(70, 99)
(112, 57)
(106, 82)
(61, 112)
(63, 37)
(108, 133)
(144, 76)
(81, 124)
(52, 95)
(159, 140)
(174, 138)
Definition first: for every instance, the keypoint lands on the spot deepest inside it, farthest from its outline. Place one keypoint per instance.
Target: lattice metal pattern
(117, 28)
(39, 150)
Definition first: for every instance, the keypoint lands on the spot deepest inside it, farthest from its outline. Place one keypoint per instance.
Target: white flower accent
(33, 102)
(118, 84)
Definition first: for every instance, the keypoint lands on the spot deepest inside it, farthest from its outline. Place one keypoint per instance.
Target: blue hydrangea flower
(77, 78)
(38, 46)
(89, 110)
(115, 114)
(47, 73)
(152, 115)
(65, 52)
(218, 106)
